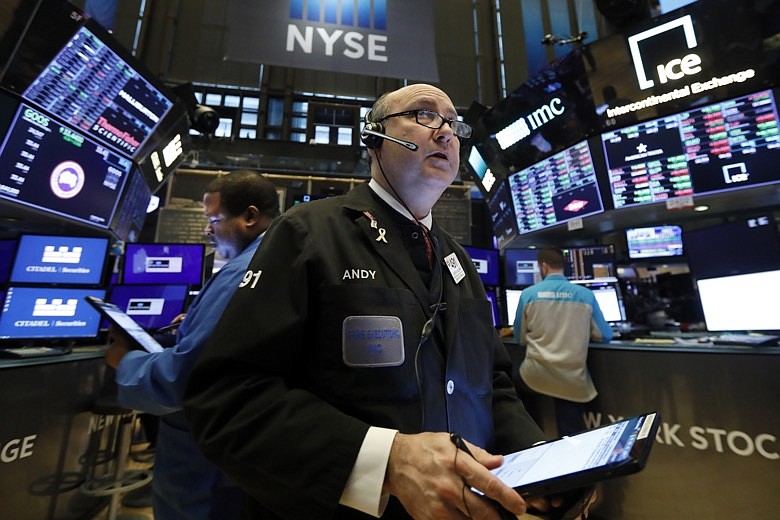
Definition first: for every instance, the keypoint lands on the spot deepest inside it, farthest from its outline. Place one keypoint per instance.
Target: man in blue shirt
(556, 320)
(239, 207)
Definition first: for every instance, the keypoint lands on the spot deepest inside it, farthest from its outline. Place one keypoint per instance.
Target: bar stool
(117, 480)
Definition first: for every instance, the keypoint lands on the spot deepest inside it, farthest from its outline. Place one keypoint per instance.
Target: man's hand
(118, 347)
(433, 479)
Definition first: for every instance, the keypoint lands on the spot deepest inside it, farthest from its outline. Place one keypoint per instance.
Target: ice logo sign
(673, 70)
(67, 179)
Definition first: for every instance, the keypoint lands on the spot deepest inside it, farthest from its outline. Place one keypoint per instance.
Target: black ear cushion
(372, 141)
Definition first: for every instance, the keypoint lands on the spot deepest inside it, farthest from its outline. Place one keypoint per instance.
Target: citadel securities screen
(46, 312)
(724, 146)
(560, 188)
(48, 166)
(91, 87)
(59, 260)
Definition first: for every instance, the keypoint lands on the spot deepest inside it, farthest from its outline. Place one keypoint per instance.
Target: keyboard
(32, 352)
(754, 340)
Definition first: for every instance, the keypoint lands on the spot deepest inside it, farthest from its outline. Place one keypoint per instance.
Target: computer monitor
(747, 245)
(163, 264)
(46, 259)
(521, 268)
(654, 242)
(486, 263)
(607, 293)
(55, 169)
(49, 313)
(151, 306)
(745, 302)
(7, 252)
(588, 262)
(558, 189)
(94, 88)
(512, 302)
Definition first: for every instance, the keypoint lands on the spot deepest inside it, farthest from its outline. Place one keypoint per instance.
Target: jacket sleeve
(246, 401)
(154, 382)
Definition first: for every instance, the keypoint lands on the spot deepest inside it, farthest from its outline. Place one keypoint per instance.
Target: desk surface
(78, 354)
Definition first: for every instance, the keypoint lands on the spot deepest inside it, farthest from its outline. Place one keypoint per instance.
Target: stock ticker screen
(719, 147)
(558, 189)
(91, 87)
(48, 166)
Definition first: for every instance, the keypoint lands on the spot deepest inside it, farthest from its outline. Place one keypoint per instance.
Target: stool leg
(123, 451)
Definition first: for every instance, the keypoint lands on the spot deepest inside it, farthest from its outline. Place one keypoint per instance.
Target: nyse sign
(388, 38)
(350, 44)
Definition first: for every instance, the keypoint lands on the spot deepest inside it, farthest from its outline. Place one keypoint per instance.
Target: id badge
(372, 341)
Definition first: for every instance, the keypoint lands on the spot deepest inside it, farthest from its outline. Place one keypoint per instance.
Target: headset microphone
(368, 132)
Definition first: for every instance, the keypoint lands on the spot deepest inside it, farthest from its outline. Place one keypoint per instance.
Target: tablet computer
(121, 320)
(581, 460)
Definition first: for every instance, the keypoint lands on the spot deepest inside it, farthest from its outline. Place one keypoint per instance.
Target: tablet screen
(596, 449)
(118, 317)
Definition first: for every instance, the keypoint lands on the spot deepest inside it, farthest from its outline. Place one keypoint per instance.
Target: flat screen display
(92, 88)
(521, 268)
(53, 168)
(607, 295)
(151, 306)
(48, 312)
(170, 264)
(485, 177)
(558, 189)
(512, 303)
(131, 213)
(748, 245)
(7, 251)
(745, 302)
(654, 242)
(59, 260)
(486, 263)
(502, 215)
(588, 262)
(720, 147)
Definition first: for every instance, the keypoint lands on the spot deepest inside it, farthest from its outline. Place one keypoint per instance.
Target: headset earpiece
(372, 142)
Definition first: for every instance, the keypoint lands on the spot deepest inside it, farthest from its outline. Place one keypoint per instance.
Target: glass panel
(247, 133)
(345, 136)
(273, 135)
(251, 103)
(299, 122)
(248, 119)
(232, 101)
(322, 134)
(213, 100)
(275, 111)
(300, 107)
(298, 137)
(225, 128)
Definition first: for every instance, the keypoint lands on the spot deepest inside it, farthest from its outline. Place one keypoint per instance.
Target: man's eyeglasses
(431, 119)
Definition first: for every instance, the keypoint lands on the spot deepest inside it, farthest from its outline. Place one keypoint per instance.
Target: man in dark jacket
(358, 340)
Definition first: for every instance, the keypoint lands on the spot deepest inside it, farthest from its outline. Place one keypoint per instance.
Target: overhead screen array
(86, 133)
(668, 110)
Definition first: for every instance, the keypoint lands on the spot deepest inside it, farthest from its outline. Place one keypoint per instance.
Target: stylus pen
(459, 443)
(457, 440)
(168, 327)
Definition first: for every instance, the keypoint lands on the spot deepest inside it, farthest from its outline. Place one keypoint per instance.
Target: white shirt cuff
(364, 486)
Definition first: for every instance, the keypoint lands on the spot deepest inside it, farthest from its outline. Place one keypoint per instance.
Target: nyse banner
(389, 38)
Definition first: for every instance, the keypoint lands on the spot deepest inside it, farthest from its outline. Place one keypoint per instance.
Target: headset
(374, 132)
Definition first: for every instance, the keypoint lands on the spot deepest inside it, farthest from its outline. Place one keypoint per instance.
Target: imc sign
(389, 38)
